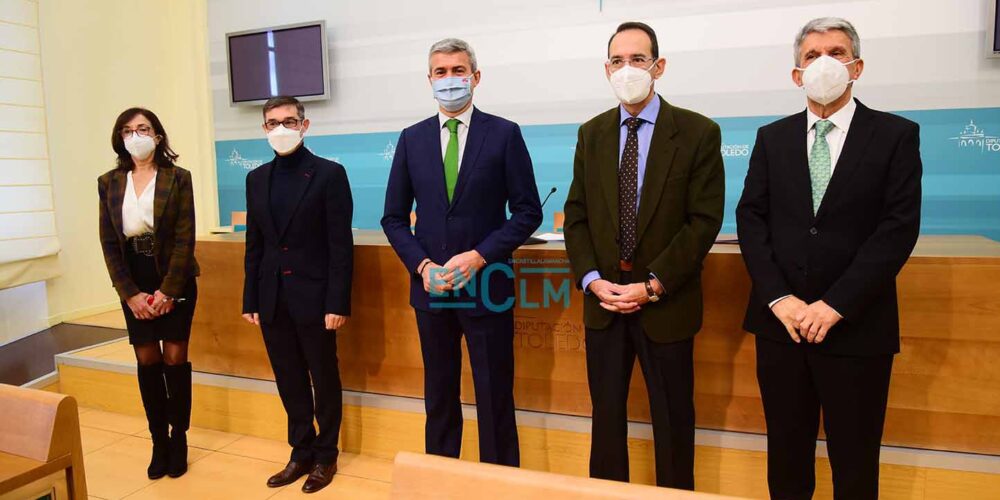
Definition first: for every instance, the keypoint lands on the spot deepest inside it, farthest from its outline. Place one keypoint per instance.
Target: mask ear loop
(852, 61)
(651, 66)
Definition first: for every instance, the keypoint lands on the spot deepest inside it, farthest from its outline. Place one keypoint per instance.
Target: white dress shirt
(137, 211)
(835, 138)
(463, 132)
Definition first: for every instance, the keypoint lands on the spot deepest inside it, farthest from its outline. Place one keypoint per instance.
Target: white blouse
(137, 211)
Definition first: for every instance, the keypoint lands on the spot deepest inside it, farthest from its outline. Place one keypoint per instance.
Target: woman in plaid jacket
(147, 235)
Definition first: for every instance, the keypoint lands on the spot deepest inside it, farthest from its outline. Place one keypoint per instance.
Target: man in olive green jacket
(643, 210)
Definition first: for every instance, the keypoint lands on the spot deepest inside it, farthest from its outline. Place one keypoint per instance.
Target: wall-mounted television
(993, 32)
(282, 60)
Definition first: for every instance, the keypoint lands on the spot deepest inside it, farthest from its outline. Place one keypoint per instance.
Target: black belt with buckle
(143, 244)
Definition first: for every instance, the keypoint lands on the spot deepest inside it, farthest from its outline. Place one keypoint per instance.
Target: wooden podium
(942, 395)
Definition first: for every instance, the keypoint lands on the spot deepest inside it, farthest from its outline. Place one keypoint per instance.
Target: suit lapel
(607, 162)
(164, 182)
(299, 186)
(431, 132)
(116, 196)
(798, 166)
(478, 130)
(263, 198)
(858, 136)
(659, 160)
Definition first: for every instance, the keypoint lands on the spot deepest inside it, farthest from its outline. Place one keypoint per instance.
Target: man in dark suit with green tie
(643, 210)
(829, 214)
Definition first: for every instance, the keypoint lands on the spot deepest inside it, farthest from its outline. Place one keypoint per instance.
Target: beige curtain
(28, 242)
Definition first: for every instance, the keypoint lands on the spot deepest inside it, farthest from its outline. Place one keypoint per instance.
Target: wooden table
(944, 384)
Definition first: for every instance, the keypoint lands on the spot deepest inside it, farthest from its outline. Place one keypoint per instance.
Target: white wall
(23, 311)
(542, 59)
(100, 57)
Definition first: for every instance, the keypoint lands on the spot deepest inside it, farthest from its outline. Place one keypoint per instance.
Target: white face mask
(284, 140)
(825, 79)
(632, 85)
(140, 146)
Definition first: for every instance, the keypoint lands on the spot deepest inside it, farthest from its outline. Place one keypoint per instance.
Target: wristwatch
(653, 297)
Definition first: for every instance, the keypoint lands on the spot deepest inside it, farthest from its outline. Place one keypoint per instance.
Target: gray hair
(451, 46)
(824, 24)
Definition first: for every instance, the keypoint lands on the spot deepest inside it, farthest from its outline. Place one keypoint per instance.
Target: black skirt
(175, 326)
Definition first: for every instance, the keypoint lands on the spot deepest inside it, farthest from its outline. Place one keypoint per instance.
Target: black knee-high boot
(179, 415)
(154, 400)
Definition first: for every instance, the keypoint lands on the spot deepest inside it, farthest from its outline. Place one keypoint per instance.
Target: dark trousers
(490, 340)
(297, 352)
(796, 382)
(669, 373)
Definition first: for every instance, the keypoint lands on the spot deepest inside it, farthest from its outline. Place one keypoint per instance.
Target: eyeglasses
(289, 123)
(143, 130)
(634, 61)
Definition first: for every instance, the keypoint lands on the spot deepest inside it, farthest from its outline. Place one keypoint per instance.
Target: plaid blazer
(173, 224)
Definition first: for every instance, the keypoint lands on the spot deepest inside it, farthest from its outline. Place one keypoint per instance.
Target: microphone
(538, 241)
(546, 200)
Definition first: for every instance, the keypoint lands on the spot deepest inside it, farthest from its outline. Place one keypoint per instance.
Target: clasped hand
(145, 309)
(624, 299)
(805, 321)
(454, 274)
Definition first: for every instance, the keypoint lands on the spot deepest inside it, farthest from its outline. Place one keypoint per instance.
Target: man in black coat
(299, 260)
(829, 214)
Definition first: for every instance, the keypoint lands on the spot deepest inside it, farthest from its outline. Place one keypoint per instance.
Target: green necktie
(820, 169)
(451, 158)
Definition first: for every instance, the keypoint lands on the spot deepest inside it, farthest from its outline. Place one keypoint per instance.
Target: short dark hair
(284, 100)
(163, 156)
(635, 25)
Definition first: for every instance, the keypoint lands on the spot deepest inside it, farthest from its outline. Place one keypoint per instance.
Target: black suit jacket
(311, 257)
(683, 193)
(849, 253)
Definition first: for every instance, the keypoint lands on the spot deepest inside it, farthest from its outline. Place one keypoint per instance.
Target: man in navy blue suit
(463, 168)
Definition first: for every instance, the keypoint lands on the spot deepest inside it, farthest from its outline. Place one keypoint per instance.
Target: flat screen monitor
(993, 33)
(288, 60)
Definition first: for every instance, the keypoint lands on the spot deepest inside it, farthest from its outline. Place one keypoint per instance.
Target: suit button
(451, 217)
(813, 231)
(284, 249)
(444, 247)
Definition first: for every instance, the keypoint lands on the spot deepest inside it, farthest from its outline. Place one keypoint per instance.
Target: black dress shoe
(320, 477)
(289, 474)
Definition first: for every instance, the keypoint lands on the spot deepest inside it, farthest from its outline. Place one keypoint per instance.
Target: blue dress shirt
(647, 120)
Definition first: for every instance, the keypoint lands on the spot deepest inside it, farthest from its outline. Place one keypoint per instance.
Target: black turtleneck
(284, 177)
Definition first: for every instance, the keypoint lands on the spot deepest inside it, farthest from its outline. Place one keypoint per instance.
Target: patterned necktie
(820, 168)
(628, 179)
(451, 158)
